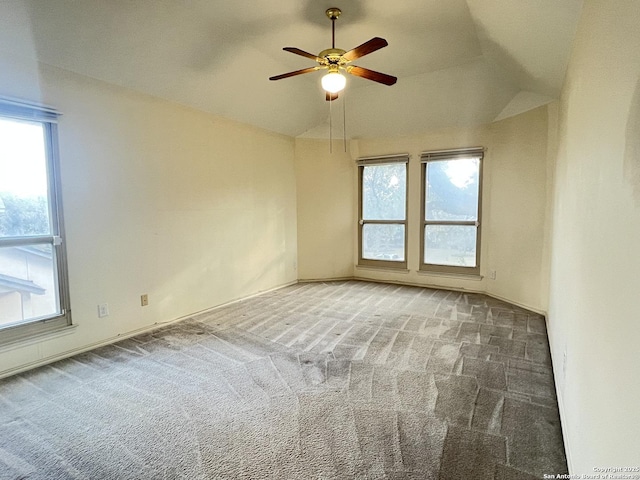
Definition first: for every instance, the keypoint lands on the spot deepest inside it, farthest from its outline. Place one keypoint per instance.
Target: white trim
(517, 304)
(123, 336)
(443, 287)
(69, 353)
(452, 154)
(384, 159)
(319, 280)
(37, 338)
(462, 276)
(382, 268)
(29, 111)
(560, 399)
(423, 285)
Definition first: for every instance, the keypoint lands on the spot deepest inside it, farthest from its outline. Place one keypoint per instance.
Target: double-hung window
(34, 296)
(451, 196)
(382, 229)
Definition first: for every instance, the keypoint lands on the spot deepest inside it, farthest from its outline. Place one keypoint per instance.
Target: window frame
(379, 161)
(447, 155)
(48, 118)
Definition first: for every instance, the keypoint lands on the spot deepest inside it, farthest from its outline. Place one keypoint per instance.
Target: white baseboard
(85, 348)
(427, 285)
(123, 336)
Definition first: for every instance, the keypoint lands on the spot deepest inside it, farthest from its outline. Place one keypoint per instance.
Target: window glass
(453, 245)
(384, 192)
(452, 189)
(383, 242)
(28, 286)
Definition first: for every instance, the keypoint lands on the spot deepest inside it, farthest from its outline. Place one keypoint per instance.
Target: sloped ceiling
(458, 62)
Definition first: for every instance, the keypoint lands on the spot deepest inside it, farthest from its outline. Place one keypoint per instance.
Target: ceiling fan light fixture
(333, 82)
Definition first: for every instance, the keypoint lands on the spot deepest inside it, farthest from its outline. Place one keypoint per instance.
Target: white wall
(514, 207)
(593, 313)
(192, 209)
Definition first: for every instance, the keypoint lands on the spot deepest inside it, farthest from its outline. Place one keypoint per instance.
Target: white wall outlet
(144, 300)
(492, 274)
(103, 310)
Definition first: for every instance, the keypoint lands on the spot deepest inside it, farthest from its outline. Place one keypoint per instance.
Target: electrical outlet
(144, 300)
(492, 274)
(103, 310)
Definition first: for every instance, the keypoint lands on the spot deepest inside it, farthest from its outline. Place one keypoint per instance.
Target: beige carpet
(341, 380)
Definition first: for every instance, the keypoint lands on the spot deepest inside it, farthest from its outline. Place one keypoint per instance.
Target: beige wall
(325, 210)
(196, 210)
(593, 315)
(192, 209)
(514, 207)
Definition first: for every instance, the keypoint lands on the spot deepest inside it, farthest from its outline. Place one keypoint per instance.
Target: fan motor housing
(332, 55)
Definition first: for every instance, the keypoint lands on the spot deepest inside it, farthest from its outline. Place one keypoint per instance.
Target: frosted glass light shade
(333, 82)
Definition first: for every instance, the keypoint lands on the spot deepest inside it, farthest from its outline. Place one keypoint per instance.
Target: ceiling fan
(335, 59)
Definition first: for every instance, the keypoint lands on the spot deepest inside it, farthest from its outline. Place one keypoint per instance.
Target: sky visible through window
(23, 171)
(462, 172)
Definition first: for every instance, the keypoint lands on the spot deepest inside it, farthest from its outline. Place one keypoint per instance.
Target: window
(33, 276)
(451, 194)
(383, 211)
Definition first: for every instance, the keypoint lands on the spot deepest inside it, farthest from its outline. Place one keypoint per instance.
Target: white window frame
(48, 118)
(444, 155)
(376, 161)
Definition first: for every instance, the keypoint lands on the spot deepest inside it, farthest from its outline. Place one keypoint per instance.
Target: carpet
(334, 380)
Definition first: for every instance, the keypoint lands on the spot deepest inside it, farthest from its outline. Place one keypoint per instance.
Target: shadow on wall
(632, 147)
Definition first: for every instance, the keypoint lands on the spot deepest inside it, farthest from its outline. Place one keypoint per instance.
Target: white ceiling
(458, 62)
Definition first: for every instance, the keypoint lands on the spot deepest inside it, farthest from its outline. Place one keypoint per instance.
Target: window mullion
(383, 222)
(473, 223)
(22, 241)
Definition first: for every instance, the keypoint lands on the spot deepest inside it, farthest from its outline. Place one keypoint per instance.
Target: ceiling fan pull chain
(330, 128)
(344, 120)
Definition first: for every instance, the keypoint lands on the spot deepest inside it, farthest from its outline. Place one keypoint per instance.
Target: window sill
(473, 277)
(383, 268)
(32, 338)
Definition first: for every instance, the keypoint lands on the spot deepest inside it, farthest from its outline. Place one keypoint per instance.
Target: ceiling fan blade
(371, 75)
(372, 45)
(293, 74)
(330, 97)
(297, 51)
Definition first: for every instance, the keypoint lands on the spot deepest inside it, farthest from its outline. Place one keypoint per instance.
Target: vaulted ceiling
(458, 62)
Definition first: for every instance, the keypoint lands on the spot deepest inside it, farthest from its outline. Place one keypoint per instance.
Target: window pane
(384, 191)
(24, 205)
(383, 242)
(450, 245)
(28, 288)
(452, 189)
